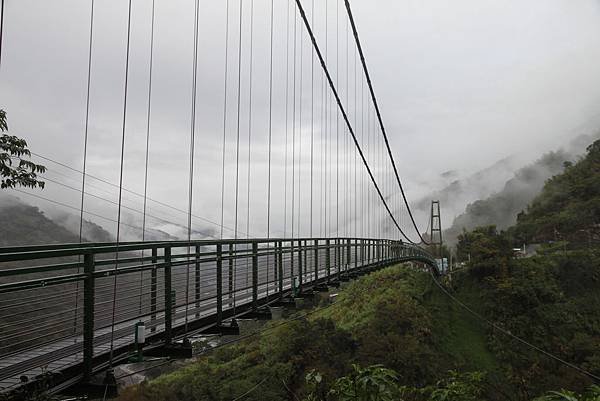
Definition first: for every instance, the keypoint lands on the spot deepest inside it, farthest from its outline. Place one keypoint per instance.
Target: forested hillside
(502, 328)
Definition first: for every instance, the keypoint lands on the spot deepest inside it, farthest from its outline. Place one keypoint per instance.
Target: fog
(470, 91)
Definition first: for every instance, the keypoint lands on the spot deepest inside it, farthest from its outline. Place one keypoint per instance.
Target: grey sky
(460, 84)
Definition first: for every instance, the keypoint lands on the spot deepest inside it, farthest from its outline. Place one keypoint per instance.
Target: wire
(251, 390)
(250, 117)
(129, 191)
(508, 333)
(376, 105)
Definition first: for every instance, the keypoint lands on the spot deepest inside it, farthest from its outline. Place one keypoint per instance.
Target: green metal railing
(66, 308)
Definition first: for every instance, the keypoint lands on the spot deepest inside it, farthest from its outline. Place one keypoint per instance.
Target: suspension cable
(312, 126)
(114, 300)
(224, 116)
(85, 139)
(270, 121)
(343, 111)
(250, 117)
(191, 171)
(385, 137)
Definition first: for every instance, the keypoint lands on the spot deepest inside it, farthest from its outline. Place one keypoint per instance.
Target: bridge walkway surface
(67, 310)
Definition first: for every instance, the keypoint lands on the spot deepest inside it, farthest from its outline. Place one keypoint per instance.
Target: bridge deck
(47, 309)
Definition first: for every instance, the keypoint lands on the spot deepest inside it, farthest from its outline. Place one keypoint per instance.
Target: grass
(459, 334)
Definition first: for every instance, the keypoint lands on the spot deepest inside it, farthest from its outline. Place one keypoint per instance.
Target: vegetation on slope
(393, 335)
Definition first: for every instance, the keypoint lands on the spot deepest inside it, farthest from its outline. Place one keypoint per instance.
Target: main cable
(1, 29)
(343, 111)
(379, 118)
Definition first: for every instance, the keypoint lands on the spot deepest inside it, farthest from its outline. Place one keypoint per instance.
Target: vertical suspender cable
(294, 127)
(326, 188)
(114, 300)
(85, 137)
(237, 149)
(148, 112)
(287, 84)
(337, 125)
(300, 84)
(87, 117)
(250, 117)
(270, 121)
(224, 116)
(312, 127)
(192, 148)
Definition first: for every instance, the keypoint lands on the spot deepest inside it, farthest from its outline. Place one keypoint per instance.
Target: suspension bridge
(303, 193)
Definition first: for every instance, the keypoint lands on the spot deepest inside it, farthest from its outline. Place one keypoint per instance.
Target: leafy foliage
(15, 169)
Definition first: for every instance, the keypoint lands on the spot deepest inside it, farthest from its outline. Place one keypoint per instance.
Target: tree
(15, 170)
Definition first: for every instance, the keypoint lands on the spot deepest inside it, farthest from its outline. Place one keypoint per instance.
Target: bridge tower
(436, 230)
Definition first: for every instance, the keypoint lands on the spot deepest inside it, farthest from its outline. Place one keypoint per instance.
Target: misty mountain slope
(455, 194)
(459, 192)
(21, 224)
(501, 209)
(568, 207)
(91, 231)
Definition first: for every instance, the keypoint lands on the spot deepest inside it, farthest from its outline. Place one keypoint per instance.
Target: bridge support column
(88, 315)
(254, 275)
(169, 301)
(219, 272)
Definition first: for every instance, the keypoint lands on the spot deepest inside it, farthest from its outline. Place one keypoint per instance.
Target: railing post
(292, 262)
(168, 297)
(339, 258)
(197, 280)
(328, 257)
(230, 275)
(356, 253)
(153, 289)
(88, 315)
(348, 254)
(316, 253)
(280, 268)
(254, 274)
(300, 250)
(219, 283)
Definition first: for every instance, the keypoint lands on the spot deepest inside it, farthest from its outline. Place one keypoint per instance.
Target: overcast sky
(461, 84)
